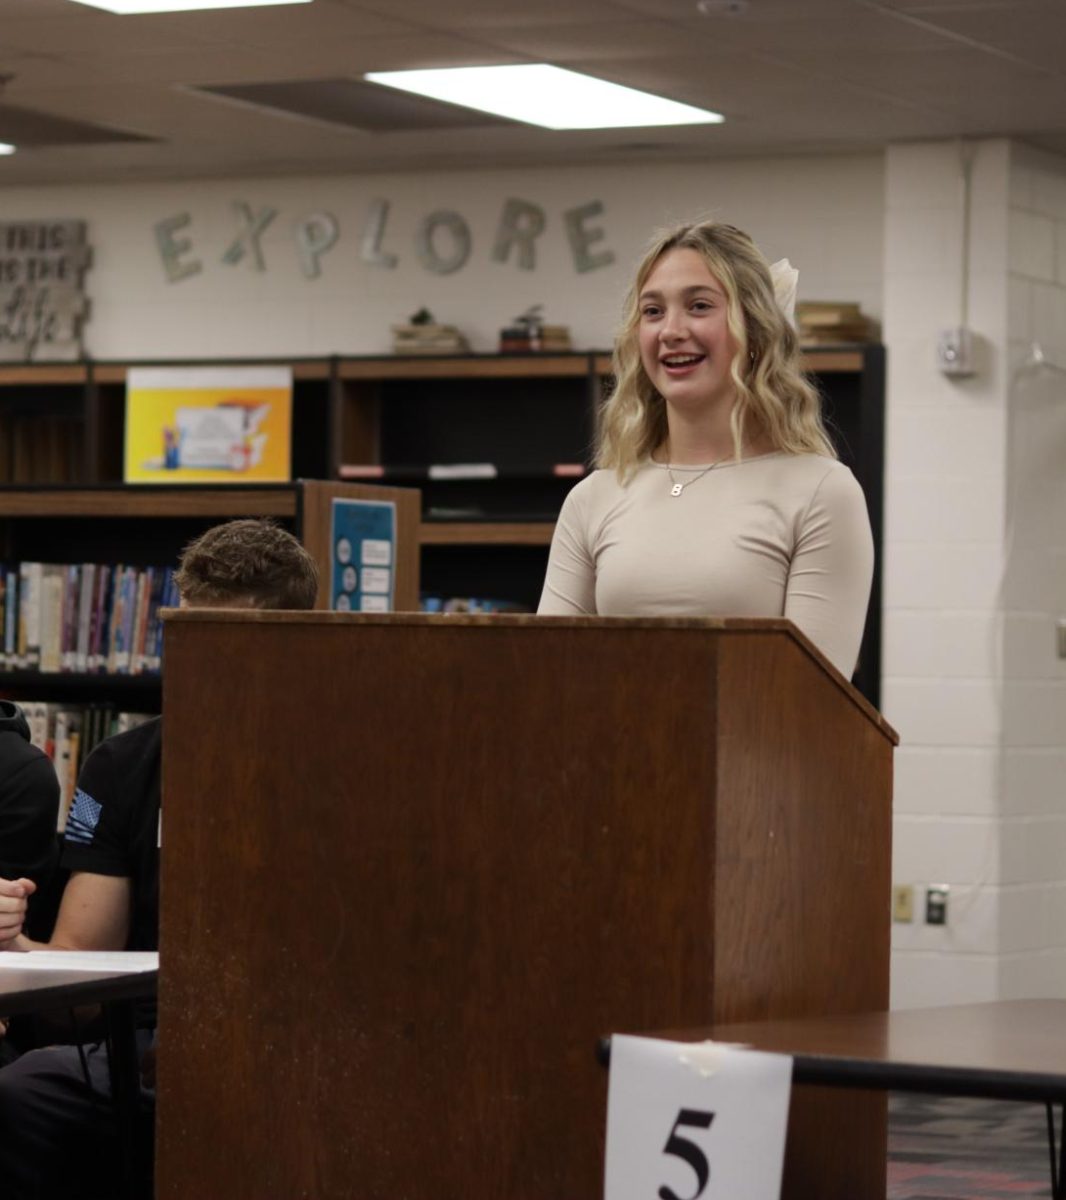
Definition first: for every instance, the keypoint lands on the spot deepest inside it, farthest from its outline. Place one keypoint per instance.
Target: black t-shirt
(29, 802)
(113, 827)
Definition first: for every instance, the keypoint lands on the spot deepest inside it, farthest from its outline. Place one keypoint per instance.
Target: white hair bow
(785, 278)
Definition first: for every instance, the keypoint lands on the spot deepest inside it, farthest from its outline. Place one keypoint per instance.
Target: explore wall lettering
(441, 241)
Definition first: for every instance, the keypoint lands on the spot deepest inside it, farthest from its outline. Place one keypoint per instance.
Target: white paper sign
(377, 580)
(377, 553)
(695, 1121)
(119, 961)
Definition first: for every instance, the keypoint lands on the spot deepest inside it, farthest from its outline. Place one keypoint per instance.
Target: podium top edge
(737, 625)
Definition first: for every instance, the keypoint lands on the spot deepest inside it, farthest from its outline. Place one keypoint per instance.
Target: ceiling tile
(496, 14)
(219, 63)
(732, 84)
(320, 22)
(1036, 32)
(758, 12)
(790, 75)
(23, 68)
(353, 103)
(87, 29)
(944, 76)
(861, 29)
(620, 39)
(10, 9)
(940, 6)
(26, 127)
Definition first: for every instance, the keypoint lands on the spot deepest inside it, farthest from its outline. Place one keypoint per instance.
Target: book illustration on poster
(208, 425)
(362, 563)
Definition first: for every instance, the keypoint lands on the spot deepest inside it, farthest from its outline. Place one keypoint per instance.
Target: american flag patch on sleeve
(83, 819)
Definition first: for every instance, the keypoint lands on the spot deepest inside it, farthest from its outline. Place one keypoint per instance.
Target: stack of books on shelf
(831, 322)
(428, 339)
(67, 733)
(535, 338)
(83, 618)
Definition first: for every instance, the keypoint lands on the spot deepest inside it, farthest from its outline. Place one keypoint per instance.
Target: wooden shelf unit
(485, 533)
(515, 410)
(147, 525)
(148, 501)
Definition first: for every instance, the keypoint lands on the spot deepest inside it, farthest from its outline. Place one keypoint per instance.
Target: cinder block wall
(976, 572)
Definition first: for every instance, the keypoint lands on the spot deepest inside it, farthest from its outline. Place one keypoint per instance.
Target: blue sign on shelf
(363, 559)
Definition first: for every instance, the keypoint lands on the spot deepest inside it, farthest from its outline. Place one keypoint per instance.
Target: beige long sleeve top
(778, 535)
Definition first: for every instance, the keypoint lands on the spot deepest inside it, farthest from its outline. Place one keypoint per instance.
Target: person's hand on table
(14, 894)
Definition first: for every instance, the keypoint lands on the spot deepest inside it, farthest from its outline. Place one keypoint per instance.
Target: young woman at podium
(718, 491)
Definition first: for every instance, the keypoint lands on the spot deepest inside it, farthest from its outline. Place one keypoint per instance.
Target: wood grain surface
(315, 523)
(415, 868)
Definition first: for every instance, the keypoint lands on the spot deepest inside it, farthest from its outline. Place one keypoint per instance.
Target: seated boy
(111, 901)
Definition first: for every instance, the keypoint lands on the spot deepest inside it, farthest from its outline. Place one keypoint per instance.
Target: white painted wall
(1033, 906)
(825, 213)
(945, 486)
(975, 553)
(978, 800)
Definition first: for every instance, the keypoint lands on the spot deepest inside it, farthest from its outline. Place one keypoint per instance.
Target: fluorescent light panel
(7, 148)
(127, 8)
(552, 97)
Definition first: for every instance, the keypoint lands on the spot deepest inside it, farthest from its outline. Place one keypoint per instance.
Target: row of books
(469, 604)
(67, 733)
(39, 448)
(84, 618)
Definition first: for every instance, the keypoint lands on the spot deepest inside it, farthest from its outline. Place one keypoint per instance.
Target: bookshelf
(144, 526)
(389, 420)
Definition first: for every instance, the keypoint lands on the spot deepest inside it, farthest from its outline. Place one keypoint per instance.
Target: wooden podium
(414, 868)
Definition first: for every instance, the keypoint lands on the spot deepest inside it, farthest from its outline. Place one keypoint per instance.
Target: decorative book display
(830, 322)
(528, 333)
(423, 335)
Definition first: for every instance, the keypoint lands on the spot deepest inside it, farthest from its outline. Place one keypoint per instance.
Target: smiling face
(686, 347)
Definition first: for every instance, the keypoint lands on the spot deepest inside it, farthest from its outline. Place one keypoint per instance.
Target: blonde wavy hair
(771, 389)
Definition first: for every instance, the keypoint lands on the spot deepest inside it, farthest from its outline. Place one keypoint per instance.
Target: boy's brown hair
(250, 563)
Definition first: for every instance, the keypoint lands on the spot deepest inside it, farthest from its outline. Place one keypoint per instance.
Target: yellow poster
(208, 425)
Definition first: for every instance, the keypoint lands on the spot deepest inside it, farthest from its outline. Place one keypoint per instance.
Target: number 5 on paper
(696, 1121)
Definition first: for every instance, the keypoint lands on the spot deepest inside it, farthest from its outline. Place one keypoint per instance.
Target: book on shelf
(84, 618)
(39, 448)
(28, 600)
(830, 322)
(535, 339)
(68, 733)
(428, 339)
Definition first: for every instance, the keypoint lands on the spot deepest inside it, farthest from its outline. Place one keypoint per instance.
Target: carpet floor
(957, 1149)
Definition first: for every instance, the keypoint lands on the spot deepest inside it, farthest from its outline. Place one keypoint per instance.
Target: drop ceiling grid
(789, 75)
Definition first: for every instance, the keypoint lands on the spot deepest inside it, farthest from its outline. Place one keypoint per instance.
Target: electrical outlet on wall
(903, 903)
(936, 904)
